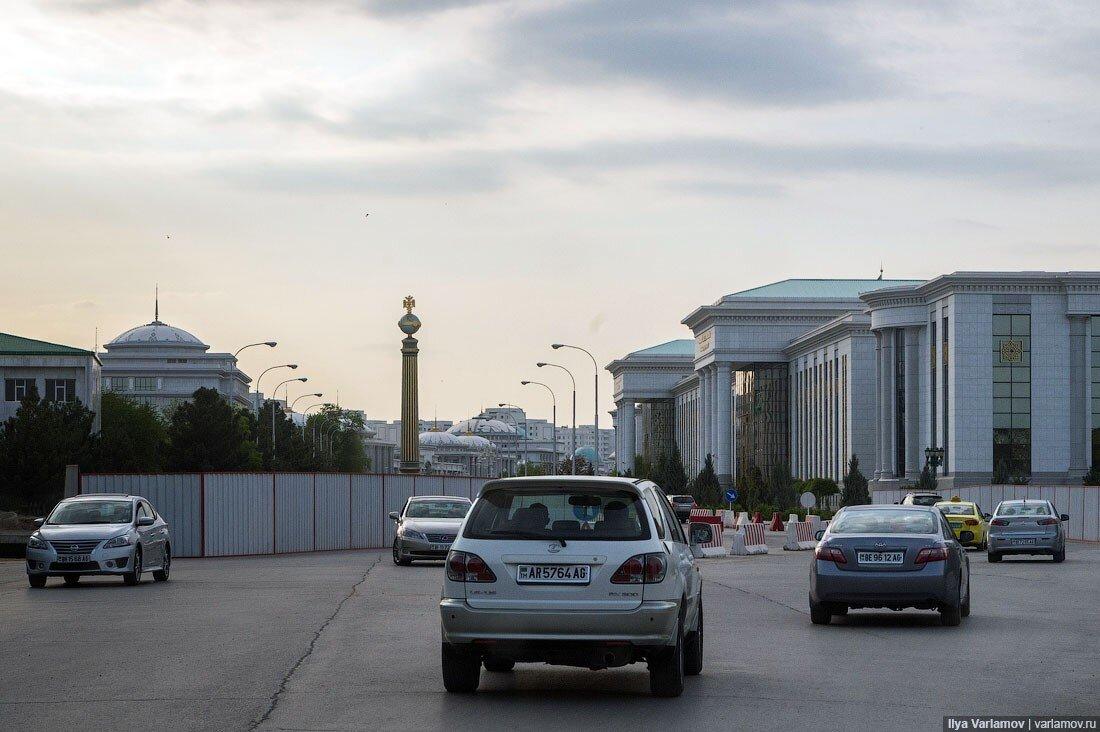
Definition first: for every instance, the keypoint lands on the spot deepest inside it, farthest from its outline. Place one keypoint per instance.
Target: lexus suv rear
(587, 571)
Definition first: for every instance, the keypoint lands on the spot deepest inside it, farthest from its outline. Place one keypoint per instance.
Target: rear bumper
(925, 588)
(1009, 544)
(651, 624)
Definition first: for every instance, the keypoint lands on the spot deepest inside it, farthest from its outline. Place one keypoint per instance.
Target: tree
(207, 433)
(36, 444)
(583, 467)
(822, 488)
(290, 449)
(1093, 476)
(781, 485)
(669, 473)
(642, 467)
(133, 437)
(333, 440)
(855, 486)
(927, 480)
(705, 488)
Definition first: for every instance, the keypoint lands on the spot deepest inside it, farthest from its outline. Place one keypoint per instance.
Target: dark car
(893, 557)
(682, 506)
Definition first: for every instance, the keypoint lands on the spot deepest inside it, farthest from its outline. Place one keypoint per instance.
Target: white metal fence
(1081, 502)
(232, 514)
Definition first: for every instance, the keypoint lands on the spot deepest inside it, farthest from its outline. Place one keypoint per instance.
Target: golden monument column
(410, 397)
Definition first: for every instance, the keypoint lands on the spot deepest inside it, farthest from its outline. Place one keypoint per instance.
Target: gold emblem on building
(1012, 351)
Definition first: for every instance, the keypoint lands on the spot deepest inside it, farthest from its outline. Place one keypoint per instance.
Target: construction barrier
(729, 519)
(742, 519)
(777, 523)
(800, 535)
(749, 539)
(712, 548)
(701, 512)
(757, 518)
(792, 518)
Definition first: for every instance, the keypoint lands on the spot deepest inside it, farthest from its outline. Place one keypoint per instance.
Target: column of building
(724, 389)
(913, 361)
(886, 399)
(627, 420)
(1081, 393)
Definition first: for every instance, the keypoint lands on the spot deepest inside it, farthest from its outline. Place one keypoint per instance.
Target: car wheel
(693, 647)
(499, 665)
(951, 615)
(820, 614)
(838, 610)
(37, 581)
(133, 577)
(161, 575)
(72, 580)
(1060, 555)
(964, 609)
(399, 558)
(461, 673)
(993, 557)
(666, 668)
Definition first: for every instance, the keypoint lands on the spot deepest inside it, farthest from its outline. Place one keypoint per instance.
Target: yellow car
(970, 525)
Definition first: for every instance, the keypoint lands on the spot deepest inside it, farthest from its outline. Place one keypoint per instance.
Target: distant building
(55, 372)
(162, 365)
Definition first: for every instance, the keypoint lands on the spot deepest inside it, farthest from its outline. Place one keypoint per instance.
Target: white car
(579, 571)
(101, 534)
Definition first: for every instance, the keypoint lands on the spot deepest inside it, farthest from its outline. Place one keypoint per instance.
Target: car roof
(900, 506)
(439, 498)
(957, 503)
(1025, 500)
(923, 493)
(565, 481)
(98, 496)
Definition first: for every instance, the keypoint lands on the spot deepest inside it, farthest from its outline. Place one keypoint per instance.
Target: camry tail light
(641, 569)
(1047, 522)
(971, 522)
(999, 522)
(830, 554)
(931, 554)
(466, 567)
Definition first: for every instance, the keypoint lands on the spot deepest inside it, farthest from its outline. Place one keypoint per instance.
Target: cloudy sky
(534, 170)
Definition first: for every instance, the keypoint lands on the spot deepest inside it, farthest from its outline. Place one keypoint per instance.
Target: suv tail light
(931, 554)
(999, 522)
(971, 522)
(641, 569)
(1047, 522)
(466, 567)
(830, 554)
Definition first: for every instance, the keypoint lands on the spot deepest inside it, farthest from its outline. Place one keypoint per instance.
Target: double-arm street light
(274, 402)
(573, 459)
(513, 406)
(596, 405)
(554, 433)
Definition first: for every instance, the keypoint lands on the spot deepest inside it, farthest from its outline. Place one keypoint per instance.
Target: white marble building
(50, 370)
(1001, 370)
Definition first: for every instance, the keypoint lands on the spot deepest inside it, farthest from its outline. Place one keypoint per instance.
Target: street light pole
(525, 464)
(596, 406)
(318, 394)
(272, 368)
(269, 344)
(274, 402)
(573, 459)
(554, 423)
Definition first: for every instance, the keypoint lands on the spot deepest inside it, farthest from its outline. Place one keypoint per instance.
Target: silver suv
(100, 534)
(578, 571)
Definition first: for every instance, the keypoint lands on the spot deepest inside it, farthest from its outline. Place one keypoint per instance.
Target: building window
(1011, 396)
(1096, 390)
(762, 415)
(899, 401)
(61, 390)
(16, 390)
(145, 383)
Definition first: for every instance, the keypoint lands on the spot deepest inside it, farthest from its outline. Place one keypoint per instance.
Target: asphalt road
(340, 641)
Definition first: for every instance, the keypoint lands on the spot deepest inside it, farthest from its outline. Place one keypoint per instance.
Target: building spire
(880, 269)
(156, 302)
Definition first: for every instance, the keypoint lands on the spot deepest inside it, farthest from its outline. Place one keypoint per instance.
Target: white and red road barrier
(729, 519)
(714, 547)
(742, 519)
(701, 513)
(749, 539)
(777, 523)
(800, 535)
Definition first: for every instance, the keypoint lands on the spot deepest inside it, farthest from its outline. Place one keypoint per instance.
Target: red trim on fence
(314, 513)
(382, 515)
(349, 510)
(202, 514)
(274, 524)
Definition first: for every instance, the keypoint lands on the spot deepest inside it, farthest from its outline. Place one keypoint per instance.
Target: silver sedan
(103, 534)
(426, 527)
(1027, 527)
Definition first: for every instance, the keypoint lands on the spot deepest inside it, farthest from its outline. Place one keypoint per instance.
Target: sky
(534, 170)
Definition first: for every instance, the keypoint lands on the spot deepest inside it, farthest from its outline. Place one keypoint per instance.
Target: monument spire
(410, 398)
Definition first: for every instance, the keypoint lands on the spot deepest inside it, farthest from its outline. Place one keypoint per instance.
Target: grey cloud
(724, 188)
(419, 7)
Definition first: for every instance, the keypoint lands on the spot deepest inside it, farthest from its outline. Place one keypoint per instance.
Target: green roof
(810, 289)
(13, 345)
(681, 347)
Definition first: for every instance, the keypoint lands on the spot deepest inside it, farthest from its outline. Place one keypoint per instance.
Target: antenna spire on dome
(156, 304)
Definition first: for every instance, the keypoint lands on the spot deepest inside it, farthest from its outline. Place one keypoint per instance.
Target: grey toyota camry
(893, 557)
(426, 527)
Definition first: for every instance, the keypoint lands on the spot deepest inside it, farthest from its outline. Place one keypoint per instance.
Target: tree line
(206, 433)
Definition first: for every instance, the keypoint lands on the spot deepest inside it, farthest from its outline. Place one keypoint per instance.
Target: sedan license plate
(1022, 542)
(440, 547)
(879, 557)
(553, 574)
(73, 558)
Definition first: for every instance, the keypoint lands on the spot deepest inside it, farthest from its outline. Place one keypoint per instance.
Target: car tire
(37, 581)
(693, 647)
(1060, 556)
(951, 615)
(666, 668)
(993, 557)
(461, 672)
(133, 577)
(499, 665)
(820, 613)
(398, 558)
(838, 610)
(161, 575)
(72, 580)
(964, 608)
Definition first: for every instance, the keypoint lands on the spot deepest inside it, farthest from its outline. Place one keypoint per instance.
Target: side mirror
(39, 521)
(1064, 517)
(145, 521)
(819, 533)
(395, 515)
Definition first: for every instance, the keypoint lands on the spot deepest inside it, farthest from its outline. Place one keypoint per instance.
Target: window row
(57, 390)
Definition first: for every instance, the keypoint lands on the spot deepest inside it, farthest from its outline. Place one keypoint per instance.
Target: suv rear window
(884, 521)
(558, 513)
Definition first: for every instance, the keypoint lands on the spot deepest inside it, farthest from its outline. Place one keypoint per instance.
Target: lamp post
(275, 393)
(554, 422)
(318, 394)
(596, 404)
(272, 368)
(934, 457)
(269, 344)
(313, 429)
(505, 404)
(573, 459)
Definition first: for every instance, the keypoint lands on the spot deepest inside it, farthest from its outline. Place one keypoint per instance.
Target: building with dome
(464, 453)
(162, 365)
